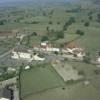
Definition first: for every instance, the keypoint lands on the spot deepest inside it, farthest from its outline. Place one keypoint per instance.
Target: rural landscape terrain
(50, 50)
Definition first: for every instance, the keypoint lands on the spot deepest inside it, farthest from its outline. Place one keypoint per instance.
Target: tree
(81, 72)
(1, 22)
(68, 23)
(44, 38)
(50, 22)
(28, 40)
(34, 34)
(58, 23)
(72, 20)
(56, 52)
(48, 28)
(79, 32)
(60, 34)
(90, 17)
(87, 58)
(98, 16)
(86, 24)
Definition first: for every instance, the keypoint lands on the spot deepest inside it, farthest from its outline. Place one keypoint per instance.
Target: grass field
(39, 79)
(77, 91)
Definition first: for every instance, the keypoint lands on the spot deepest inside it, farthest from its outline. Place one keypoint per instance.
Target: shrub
(60, 34)
(86, 24)
(44, 38)
(79, 32)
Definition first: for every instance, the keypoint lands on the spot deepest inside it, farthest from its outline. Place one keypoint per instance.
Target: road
(7, 82)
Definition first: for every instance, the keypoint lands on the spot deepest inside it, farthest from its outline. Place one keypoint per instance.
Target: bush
(50, 22)
(44, 38)
(60, 34)
(81, 72)
(87, 58)
(2, 22)
(34, 34)
(90, 17)
(86, 24)
(79, 32)
(97, 72)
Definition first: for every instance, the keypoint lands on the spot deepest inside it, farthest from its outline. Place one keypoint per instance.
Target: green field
(46, 78)
(38, 79)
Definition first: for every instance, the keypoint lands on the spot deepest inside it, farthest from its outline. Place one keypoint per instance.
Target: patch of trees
(76, 10)
(50, 22)
(56, 34)
(68, 23)
(44, 38)
(98, 17)
(34, 34)
(51, 12)
(81, 72)
(48, 28)
(2, 22)
(60, 34)
(80, 32)
(7, 76)
(33, 22)
(91, 17)
(86, 24)
(87, 58)
(97, 71)
(58, 23)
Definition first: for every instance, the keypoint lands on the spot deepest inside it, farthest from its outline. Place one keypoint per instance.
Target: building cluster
(23, 53)
(70, 49)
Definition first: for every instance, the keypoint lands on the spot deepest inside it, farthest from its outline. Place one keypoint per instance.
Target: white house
(98, 59)
(21, 54)
(25, 54)
(4, 99)
(37, 58)
(27, 67)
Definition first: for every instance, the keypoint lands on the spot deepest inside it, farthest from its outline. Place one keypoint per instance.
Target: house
(46, 46)
(27, 67)
(98, 60)
(4, 99)
(21, 53)
(74, 50)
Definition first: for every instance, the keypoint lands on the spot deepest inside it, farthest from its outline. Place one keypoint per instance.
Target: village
(57, 57)
(50, 51)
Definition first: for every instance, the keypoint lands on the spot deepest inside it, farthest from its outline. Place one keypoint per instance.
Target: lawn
(39, 79)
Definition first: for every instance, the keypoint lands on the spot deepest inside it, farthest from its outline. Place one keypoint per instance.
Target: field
(40, 78)
(76, 91)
